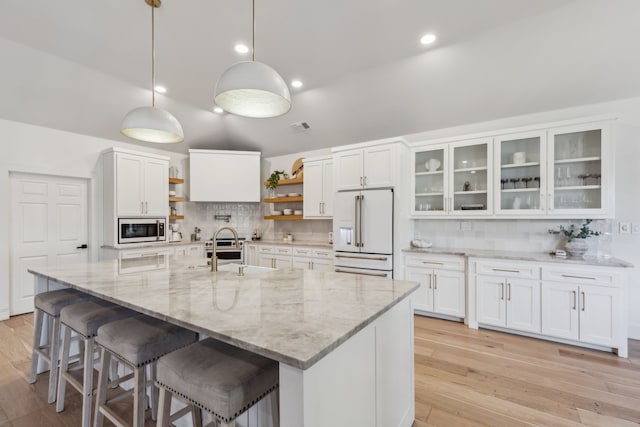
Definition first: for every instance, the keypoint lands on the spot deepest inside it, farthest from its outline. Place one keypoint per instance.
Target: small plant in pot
(576, 245)
(274, 178)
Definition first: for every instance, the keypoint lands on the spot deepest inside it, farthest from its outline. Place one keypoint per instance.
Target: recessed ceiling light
(218, 110)
(428, 39)
(161, 89)
(296, 83)
(240, 48)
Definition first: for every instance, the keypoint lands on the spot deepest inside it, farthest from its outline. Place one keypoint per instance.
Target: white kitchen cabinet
(452, 179)
(373, 166)
(311, 258)
(442, 283)
(275, 256)
(251, 254)
(318, 188)
(190, 251)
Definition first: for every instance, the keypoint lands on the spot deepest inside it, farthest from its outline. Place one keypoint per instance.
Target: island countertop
(295, 317)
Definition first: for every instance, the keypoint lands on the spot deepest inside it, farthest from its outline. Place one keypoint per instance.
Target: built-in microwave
(139, 230)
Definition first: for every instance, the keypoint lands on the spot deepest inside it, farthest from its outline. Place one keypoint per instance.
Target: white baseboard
(4, 314)
(634, 330)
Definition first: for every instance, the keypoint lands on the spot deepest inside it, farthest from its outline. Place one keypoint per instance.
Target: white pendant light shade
(152, 124)
(252, 89)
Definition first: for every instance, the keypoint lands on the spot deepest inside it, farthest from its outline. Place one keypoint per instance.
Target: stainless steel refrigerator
(363, 232)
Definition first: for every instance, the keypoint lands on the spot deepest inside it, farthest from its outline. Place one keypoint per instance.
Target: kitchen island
(344, 342)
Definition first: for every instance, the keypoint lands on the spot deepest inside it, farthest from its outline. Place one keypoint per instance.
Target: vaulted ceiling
(80, 65)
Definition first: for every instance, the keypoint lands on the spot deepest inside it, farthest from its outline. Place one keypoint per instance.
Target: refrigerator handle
(356, 224)
(360, 222)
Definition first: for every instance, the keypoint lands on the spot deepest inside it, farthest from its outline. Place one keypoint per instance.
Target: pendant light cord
(153, 57)
(253, 34)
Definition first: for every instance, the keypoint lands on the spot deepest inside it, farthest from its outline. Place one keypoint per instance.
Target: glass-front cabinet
(579, 172)
(452, 179)
(521, 180)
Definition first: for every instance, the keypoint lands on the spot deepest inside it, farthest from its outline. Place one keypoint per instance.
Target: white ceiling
(81, 65)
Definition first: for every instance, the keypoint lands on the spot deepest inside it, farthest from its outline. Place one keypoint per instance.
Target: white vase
(576, 247)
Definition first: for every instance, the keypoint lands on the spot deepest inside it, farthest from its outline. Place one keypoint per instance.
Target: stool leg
(103, 382)
(164, 408)
(196, 416)
(114, 371)
(139, 395)
(153, 369)
(64, 366)
(37, 336)
(275, 407)
(54, 355)
(87, 382)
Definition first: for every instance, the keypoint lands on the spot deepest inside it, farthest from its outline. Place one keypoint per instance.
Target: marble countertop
(522, 256)
(324, 245)
(295, 317)
(154, 245)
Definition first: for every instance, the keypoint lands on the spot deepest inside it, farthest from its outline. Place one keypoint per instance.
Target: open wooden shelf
(289, 181)
(176, 199)
(284, 199)
(176, 216)
(176, 180)
(284, 217)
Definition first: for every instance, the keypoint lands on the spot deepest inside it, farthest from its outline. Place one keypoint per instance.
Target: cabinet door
(520, 184)
(322, 264)
(599, 308)
(429, 185)
(579, 178)
(302, 263)
(181, 251)
(449, 293)
(379, 166)
(349, 172)
(156, 187)
(282, 261)
(470, 177)
(312, 189)
(129, 188)
(327, 188)
(523, 305)
(195, 251)
(251, 255)
(491, 305)
(266, 260)
(560, 310)
(423, 297)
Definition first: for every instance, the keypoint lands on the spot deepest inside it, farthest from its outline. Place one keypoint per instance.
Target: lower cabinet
(442, 283)
(280, 256)
(509, 302)
(190, 251)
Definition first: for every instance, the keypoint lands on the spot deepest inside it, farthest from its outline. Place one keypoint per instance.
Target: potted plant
(576, 245)
(274, 178)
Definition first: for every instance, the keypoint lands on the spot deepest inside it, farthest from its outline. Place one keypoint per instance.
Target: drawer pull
(583, 301)
(361, 273)
(568, 276)
(433, 262)
(575, 297)
(505, 270)
(363, 258)
(508, 291)
(430, 281)
(502, 291)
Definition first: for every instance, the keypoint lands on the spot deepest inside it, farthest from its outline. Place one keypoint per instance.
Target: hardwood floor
(463, 378)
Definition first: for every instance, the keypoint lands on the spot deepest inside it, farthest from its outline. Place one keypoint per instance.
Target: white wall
(34, 149)
(524, 235)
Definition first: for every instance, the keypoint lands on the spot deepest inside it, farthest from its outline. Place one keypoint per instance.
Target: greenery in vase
(572, 232)
(272, 181)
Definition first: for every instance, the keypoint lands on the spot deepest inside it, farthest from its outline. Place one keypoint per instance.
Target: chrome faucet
(214, 255)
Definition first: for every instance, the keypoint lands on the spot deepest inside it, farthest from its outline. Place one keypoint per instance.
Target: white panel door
(327, 188)
(423, 297)
(523, 305)
(322, 265)
(312, 189)
(379, 166)
(344, 222)
(490, 300)
(598, 316)
(48, 227)
(129, 188)
(448, 293)
(302, 263)
(156, 187)
(376, 222)
(560, 310)
(348, 166)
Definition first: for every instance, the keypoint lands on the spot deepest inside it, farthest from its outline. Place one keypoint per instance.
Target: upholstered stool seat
(136, 341)
(50, 304)
(219, 378)
(84, 318)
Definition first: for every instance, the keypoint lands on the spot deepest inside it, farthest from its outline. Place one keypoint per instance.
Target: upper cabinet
(561, 172)
(372, 166)
(224, 176)
(452, 179)
(318, 188)
(136, 184)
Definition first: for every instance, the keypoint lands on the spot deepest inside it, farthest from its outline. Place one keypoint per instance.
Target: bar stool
(50, 304)
(137, 342)
(84, 318)
(221, 379)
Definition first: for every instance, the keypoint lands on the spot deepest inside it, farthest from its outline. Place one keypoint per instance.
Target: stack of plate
(276, 213)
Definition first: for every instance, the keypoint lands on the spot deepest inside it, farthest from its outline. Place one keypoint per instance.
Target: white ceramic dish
(287, 211)
(172, 193)
(276, 213)
(294, 194)
(297, 212)
(281, 195)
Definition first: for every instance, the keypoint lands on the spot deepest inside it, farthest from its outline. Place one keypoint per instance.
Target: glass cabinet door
(430, 168)
(470, 177)
(521, 164)
(579, 169)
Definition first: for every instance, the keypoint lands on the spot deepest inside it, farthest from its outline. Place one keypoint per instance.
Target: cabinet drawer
(323, 253)
(508, 269)
(303, 251)
(578, 275)
(266, 249)
(282, 250)
(443, 262)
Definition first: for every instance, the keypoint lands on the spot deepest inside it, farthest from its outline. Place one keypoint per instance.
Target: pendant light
(251, 88)
(152, 124)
